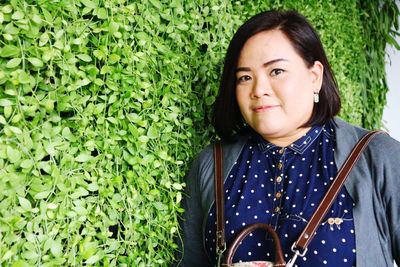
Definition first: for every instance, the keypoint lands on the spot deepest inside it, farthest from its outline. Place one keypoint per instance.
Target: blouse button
(280, 166)
(281, 150)
(278, 179)
(277, 209)
(338, 221)
(278, 195)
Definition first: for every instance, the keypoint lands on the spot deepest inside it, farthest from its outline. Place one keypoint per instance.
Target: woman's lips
(263, 108)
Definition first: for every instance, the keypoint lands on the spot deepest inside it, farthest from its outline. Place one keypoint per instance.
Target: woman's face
(275, 88)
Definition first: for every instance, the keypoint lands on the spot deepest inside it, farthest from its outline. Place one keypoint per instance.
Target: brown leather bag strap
(309, 232)
(219, 201)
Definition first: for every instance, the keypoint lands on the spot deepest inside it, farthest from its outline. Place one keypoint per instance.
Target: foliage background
(103, 104)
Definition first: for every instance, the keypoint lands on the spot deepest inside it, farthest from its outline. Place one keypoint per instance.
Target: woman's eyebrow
(274, 61)
(266, 64)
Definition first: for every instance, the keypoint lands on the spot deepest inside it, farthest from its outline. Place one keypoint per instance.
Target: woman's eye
(276, 72)
(244, 78)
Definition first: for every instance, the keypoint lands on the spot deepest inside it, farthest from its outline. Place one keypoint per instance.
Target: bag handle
(279, 259)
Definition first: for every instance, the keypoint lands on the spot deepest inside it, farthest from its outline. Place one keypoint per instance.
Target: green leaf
(15, 130)
(82, 82)
(29, 255)
(35, 62)
(113, 27)
(27, 164)
(93, 187)
(2, 119)
(93, 259)
(7, 111)
(160, 205)
(84, 57)
(11, 92)
(143, 36)
(7, 36)
(89, 4)
(13, 154)
(143, 139)
(183, 27)
(44, 38)
(83, 157)
(7, 255)
(156, 4)
(163, 155)
(49, 148)
(5, 102)
(12, 63)
(52, 206)
(112, 99)
(47, 15)
(45, 166)
(112, 120)
(210, 100)
(79, 192)
(177, 186)
(178, 197)
(7, 9)
(152, 132)
(25, 204)
(56, 249)
(188, 121)
(98, 82)
(47, 244)
(17, 15)
(99, 54)
(114, 58)
(101, 13)
(36, 19)
(42, 195)
(24, 77)
(10, 51)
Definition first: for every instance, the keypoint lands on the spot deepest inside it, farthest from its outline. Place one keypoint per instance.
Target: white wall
(391, 113)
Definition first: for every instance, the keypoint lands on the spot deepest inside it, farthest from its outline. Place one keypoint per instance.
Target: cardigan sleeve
(388, 158)
(192, 251)
(393, 198)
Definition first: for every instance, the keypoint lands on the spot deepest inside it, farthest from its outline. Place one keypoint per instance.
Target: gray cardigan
(374, 185)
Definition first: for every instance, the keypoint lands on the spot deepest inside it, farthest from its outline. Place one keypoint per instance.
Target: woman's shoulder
(381, 144)
(231, 147)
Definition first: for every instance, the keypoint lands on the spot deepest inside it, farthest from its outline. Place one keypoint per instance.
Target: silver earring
(316, 97)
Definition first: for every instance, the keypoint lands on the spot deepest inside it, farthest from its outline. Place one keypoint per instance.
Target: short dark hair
(226, 118)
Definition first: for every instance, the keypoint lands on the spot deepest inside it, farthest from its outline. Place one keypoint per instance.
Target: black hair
(226, 118)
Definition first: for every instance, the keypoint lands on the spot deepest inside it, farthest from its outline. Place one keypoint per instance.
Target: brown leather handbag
(299, 248)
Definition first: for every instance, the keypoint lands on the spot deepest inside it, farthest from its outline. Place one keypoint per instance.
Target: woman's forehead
(267, 46)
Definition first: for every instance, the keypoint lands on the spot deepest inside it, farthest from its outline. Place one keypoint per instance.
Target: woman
(282, 147)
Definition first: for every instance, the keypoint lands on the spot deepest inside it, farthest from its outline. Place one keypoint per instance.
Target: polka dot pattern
(283, 187)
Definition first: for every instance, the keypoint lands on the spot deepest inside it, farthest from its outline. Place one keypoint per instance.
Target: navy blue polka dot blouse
(282, 186)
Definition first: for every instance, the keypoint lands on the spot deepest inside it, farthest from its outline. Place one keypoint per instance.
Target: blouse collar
(299, 146)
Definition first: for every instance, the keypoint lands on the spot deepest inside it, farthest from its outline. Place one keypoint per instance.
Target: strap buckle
(220, 251)
(297, 253)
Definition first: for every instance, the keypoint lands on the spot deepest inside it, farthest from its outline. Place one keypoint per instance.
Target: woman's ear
(317, 72)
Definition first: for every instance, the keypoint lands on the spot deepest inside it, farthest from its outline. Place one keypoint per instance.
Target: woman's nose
(261, 87)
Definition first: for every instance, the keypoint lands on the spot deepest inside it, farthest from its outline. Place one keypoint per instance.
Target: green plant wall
(104, 103)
